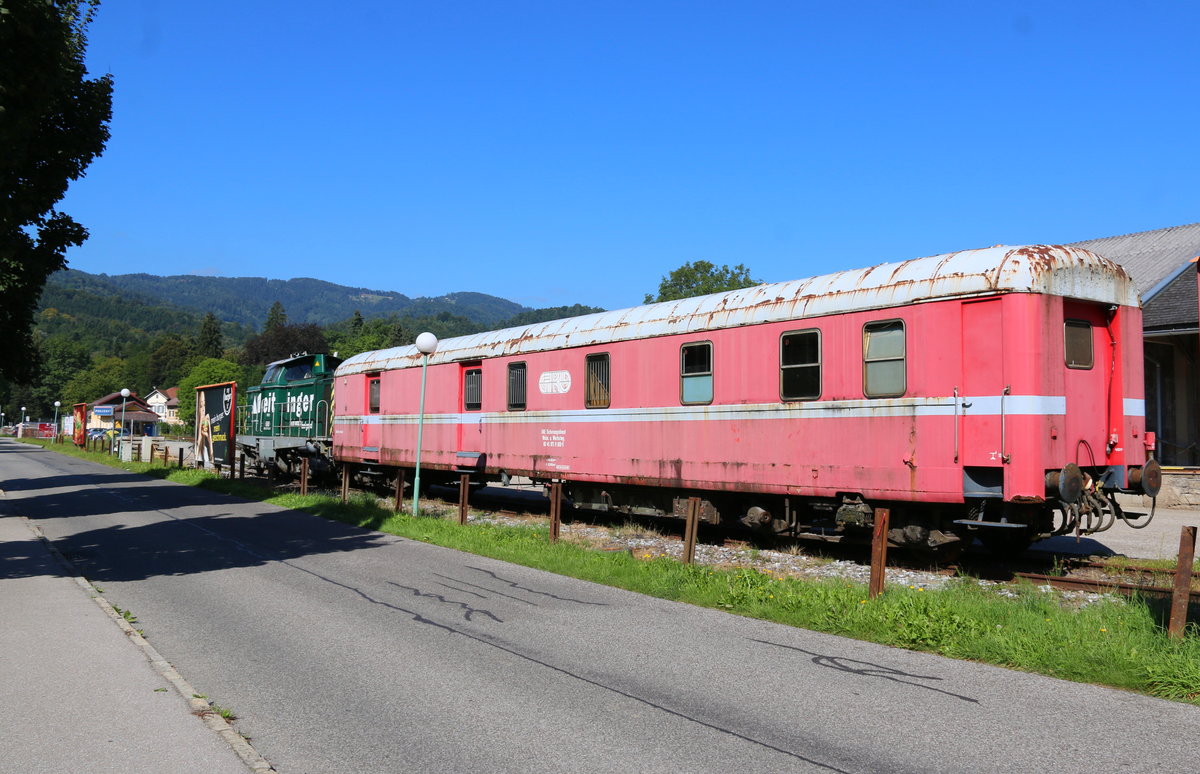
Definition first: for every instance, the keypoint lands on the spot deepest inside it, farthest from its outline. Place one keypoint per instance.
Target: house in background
(1163, 264)
(106, 414)
(165, 403)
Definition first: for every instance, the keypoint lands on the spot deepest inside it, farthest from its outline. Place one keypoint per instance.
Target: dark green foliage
(283, 341)
(54, 123)
(172, 357)
(104, 376)
(247, 300)
(209, 342)
(208, 371)
(699, 279)
(276, 317)
(534, 316)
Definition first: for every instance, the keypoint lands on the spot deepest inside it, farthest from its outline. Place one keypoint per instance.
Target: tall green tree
(207, 371)
(53, 123)
(283, 341)
(209, 343)
(699, 278)
(105, 376)
(276, 317)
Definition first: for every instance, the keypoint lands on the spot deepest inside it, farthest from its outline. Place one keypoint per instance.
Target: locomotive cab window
(473, 389)
(373, 394)
(696, 373)
(800, 365)
(884, 359)
(1079, 344)
(516, 386)
(598, 395)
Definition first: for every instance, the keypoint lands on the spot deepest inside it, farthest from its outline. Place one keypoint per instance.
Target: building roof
(1056, 270)
(114, 399)
(1152, 258)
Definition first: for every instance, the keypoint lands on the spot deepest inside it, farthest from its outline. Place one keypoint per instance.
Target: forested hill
(246, 300)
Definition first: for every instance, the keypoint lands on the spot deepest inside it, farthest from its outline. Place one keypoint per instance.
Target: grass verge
(1117, 644)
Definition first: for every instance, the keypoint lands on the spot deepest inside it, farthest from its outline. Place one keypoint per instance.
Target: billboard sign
(79, 412)
(215, 423)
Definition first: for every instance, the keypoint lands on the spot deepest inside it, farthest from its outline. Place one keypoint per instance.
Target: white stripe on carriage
(987, 405)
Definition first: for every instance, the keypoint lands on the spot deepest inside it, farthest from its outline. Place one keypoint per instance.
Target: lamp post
(426, 345)
(57, 403)
(124, 398)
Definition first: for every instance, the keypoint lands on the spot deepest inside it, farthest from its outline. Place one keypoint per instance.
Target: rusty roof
(1055, 270)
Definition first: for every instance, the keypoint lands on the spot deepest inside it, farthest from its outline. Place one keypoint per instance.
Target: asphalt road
(347, 650)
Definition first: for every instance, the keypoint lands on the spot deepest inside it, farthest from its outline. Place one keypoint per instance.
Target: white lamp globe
(125, 392)
(427, 343)
(57, 403)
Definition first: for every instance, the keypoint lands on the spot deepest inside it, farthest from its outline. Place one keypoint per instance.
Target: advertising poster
(79, 412)
(214, 424)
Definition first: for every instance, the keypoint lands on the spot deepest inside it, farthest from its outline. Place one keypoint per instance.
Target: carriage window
(696, 373)
(598, 395)
(516, 386)
(1079, 344)
(800, 365)
(373, 394)
(472, 389)
(883, 359)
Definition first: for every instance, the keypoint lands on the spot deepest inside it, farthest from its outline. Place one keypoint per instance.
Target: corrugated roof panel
(1149, 256)
(1063, 271)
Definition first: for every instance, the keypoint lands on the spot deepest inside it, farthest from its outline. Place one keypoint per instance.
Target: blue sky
(568, 152)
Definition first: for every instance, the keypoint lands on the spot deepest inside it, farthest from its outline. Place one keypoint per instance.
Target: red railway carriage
(994, 391)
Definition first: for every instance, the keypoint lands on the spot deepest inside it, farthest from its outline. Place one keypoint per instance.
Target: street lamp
(124, 397)
(57, 403)
(426, 345)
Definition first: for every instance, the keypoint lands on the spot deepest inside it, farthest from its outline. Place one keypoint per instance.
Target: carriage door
(980, 449)
(1088, 363)
(470, 423)
(371, 427)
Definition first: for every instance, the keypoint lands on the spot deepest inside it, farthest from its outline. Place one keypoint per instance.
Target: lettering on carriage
(554, 382)
(553, 439)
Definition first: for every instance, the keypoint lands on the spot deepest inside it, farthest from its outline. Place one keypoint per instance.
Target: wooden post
(303, 476)
(1183, 581)
(166, 456)
(879, 551)
(241, 466)
(345, 482)
(464, 494)
(181, 456)
(691, 529)
(555, 511)
(399, 489)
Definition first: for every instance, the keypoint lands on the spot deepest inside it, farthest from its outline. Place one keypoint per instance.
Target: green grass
(1109, 643)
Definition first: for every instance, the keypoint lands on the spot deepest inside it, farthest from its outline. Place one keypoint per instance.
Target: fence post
(555, 511)
(1182, 592)
(399, 489)
(345, 482)
(181, 456)
(464, 494)
(303, 476)
(689, 531)
(879, 551)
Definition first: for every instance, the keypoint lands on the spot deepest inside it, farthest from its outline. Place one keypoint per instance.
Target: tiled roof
(1150, 257)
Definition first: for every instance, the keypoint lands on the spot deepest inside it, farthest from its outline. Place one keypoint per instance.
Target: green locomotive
(290, 415)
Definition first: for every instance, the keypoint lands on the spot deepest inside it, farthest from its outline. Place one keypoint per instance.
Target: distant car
(97, 432)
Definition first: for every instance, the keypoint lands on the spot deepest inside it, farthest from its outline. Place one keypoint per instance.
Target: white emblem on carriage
(554, 382)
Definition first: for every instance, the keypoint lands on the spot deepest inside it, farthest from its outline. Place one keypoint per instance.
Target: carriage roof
(1053, 270)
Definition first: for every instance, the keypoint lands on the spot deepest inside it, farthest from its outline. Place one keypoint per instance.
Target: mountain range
(245, 301)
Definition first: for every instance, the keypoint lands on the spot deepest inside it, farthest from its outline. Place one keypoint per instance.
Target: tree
(170, 360)
(276, 317)
(106, 376)
(282, 341)
(699, 279)
(208, 371)
(53, 123)
(209, 342)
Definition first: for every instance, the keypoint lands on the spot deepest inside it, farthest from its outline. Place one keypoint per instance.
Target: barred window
(516, 386)
(373, 394)
(800, 365)
(1079, 344)
(696, 372)
(472, 389)
(598, 395)
(884, 359)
